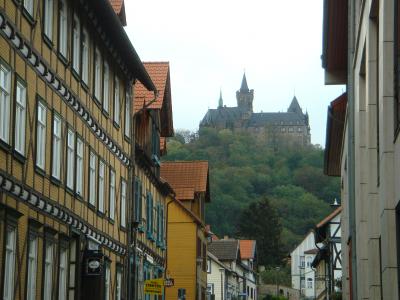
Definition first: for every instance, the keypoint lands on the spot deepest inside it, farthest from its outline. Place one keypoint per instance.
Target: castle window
(283, 129)
(299, 129)
(281, 122)
(290, 129)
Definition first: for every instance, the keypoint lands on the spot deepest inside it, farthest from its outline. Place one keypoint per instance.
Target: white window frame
(127, 115)
(41, 135)
(48, 271)
(70, 158)
(309, 283)
(32, 268)
(118, 287)
(85, 56)
(20, 117)
(106, 86)
(48, 19)
(79, 166)
(56, 164)
(92, 179)
(102, 172)
(112, 195)
(116, 100)
(123, 203)
(76, 43)
(28, 5)
(97, 75)
(107, 282)
(63, 28)
(62, 274)
(5, 91)
(9, 268)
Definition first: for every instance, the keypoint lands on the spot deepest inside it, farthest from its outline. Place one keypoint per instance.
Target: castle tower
(295, 106)
(220, 101)
(245, 97)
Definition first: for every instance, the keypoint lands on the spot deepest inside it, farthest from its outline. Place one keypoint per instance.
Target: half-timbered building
(67, 70)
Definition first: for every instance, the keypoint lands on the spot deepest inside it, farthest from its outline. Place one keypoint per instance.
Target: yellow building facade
(66, 74)
(187, 236)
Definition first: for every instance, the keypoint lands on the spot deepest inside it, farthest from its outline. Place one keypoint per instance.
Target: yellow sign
(154, 286)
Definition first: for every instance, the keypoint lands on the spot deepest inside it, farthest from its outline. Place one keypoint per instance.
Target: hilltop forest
(243, 171)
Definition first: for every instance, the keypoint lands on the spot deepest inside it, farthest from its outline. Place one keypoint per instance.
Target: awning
(334, 135)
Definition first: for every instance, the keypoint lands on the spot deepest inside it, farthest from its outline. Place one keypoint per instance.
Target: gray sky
(210, 43)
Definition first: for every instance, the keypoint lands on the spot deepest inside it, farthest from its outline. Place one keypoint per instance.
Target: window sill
(69, 190)
(79, 197)
(48, 41)
(97, 102)
(6, 147)
(116, 125)
(63, 59)
(40, 171)
(92, 207)
(19, 157)
(122, 228)
(55, 181)
(100, 213)
(85, 86)
(28, 16)
(111, 221)
(75, 74)
(105, 113)
(126, 138)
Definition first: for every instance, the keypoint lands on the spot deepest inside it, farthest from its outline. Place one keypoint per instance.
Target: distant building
(303, 275)
(276, 128)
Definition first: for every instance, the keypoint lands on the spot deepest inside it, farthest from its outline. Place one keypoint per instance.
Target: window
(5, 82)
(73, 267)
(79, 166)
(155, 142)
(138, 200)
(9, 268)
(97, 75)
(162, 226)
(119, 284)
(123, 203)
(32, 268)
(210, 289)
(309, 261)
(76, 40)
(116, 101)
(20, 116)
(106, 86)
(112, 195)
(101, 185)
(62, 274)
(309, 283)
(48, 19)
(107, 282)
(63, 27)
(56, 166)
(85, 56)
(28, 5)
(283, 129)
(149, 215)
(48, 271)
(41, 136)
(302, 262)
(127, 114)
(70, 158)
(92, 179)
(208, 265)
(299, 129)
(290, 129)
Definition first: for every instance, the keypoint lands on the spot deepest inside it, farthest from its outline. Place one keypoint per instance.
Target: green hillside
(242, 170)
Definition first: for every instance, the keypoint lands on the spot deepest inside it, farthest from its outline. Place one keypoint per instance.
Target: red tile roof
(247, 249)
(330, 217)
(159, 73)
(185, 193)
(119, 8)
(186, 175)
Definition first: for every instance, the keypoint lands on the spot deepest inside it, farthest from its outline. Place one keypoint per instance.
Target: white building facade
(303, 275)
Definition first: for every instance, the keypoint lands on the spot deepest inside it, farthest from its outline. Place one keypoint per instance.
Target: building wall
(216, 279)
(69, 217)
(376, 158)
(181, 259)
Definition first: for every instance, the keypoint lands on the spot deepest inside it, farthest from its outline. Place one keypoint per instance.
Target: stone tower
(245, 97)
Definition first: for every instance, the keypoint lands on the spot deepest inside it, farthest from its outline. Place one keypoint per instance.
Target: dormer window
(155, 144)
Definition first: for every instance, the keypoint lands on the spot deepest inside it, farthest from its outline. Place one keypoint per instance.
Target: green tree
(260, 222)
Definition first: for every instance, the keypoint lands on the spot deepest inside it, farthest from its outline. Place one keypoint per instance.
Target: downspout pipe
(351, 144)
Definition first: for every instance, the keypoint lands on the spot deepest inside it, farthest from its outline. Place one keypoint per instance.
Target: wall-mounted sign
(93, 265)
(168, 282)
(154, 286)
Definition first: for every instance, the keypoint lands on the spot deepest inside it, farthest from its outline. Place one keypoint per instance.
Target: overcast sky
(210, 43)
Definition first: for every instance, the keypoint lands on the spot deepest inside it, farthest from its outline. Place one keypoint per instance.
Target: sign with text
(154, 286)
(168, 282)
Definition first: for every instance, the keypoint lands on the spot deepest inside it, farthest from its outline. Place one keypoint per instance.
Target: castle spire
(244, 87)
(295, 106)
(220, 102)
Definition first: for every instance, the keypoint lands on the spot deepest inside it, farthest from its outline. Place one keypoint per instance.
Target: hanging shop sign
(154, 286)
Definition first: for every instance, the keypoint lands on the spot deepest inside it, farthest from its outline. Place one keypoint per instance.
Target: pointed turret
(220, 101)
(244, 88)
(294, 106)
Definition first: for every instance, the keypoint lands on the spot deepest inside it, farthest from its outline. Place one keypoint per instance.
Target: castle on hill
(276, 128)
